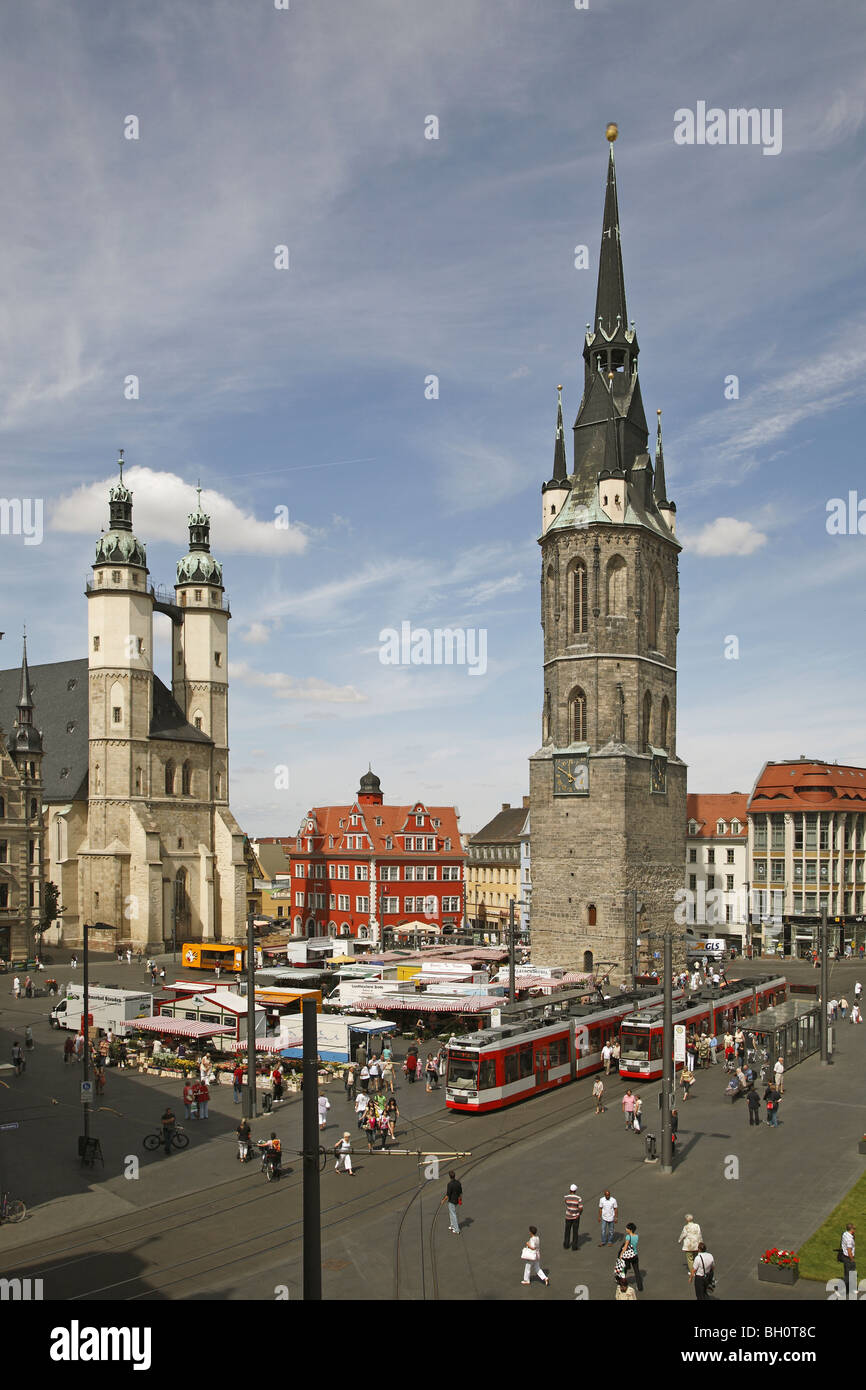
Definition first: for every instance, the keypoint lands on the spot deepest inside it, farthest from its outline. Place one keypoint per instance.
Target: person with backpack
(771, 1096)
(703, 1272)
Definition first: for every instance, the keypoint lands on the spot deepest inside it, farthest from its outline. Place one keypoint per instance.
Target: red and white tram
(499, 1066)
(708, 1011)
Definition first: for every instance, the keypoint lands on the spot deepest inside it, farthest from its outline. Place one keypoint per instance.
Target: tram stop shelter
(792, 1030)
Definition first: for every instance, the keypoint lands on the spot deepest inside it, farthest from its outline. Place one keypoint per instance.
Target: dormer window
(720, 827)
(735, 827)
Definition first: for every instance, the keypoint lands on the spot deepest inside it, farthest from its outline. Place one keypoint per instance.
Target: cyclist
(274, 1153)
(168, 1124)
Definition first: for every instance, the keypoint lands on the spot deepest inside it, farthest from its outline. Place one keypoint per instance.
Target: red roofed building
(807, 847)
(717, 835)
(364, 868)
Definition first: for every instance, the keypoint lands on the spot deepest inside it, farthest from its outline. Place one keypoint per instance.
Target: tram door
(542, 1064)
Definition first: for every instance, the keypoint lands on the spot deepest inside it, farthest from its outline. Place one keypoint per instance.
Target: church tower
(200, 657)
(608, 792)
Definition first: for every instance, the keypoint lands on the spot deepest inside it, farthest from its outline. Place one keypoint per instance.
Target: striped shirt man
(573, 1209)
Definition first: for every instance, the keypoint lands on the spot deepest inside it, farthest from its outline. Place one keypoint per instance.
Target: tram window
(558, 1052)
(511, 1067)
(656, 1047)
(525, 1055)
(462, 1072)
(487, 1076)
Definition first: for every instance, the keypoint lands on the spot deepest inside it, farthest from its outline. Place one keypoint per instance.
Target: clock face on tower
(659, 774)
(570, 776)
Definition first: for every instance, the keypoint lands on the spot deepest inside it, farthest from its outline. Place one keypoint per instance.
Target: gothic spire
(659, 487)
(560, 467)
(25, 695)
(610, 310)
(26, 739)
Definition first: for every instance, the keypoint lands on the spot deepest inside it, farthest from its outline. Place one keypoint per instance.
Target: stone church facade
(607, 788)
(139, 836)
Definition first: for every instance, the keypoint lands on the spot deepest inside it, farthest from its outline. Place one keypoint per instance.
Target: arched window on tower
(664, 725)
(34, 808)
(550, 597)
(578, 598)
(169, 777)
(186, 778)
(655, 608)
(97, 780)
(646, 722)
(616, 587)
(590, 915)
(577, 716)
(138, 782)
(219, 785)
(587, 962)
(182, 913)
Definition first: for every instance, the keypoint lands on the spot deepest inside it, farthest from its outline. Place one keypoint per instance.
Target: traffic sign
(679, 1042)
(86, 1091)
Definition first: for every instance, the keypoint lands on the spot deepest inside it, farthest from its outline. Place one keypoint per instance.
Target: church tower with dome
(140, 838)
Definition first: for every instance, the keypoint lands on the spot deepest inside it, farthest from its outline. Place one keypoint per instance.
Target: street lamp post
(249, 1106)
(825, 1042)
(668, 1056)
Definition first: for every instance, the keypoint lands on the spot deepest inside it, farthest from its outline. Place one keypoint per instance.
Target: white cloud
(726, 536)
(286, 687)
(508, 584)
(161, 504)
(256, 633)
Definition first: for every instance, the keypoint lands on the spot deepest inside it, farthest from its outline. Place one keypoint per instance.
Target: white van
(108, 1008)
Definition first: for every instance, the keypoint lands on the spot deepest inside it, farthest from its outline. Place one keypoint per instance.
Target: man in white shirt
(779, 1073)
(605, 1057)
(702, 1271)
(324, 1107)
(607, 1208)
(848, 1257)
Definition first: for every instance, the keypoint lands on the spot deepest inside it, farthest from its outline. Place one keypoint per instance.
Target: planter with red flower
(779, 1267)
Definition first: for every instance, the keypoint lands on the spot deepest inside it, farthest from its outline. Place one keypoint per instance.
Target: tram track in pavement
(118, 1239)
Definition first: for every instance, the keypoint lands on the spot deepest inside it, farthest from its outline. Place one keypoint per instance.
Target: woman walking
(690, 1239)
(431, 1075)
(388, 1073)
(598, 1095)
(531, 1256)
(392, 1115)
(370, 1123)
(629, 1254)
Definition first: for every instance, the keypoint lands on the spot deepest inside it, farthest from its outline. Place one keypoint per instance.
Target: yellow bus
(205, 955)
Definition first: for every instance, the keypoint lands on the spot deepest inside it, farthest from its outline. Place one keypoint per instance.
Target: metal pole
(511, 970)
(249, 1106)
(825, 1042)
(85, 1075)
(668, 1057)
(310, 1144)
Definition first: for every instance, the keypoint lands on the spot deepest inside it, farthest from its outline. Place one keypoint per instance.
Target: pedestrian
(779, 1075)
(703, 1272)
(607, 1209)
(753, 1100)
(388, 1073)
(373, 1072)
(691, 1052)
(324, 1106)
(216, 971)
(704, 1050)
(99, 1078)
(18, 1058)
(849, 1260)
(391, 1115)
(636, 1120)
(68, 1049)
(606, 1054)
(237, 1084)
(202, 1095)
(598, 1093)
(454, 1198)
(771, 1096)
(361, 1103)
(431, 1075)
(349, 1081)
(629, 1254)
(690, 1239)
(843, 1008)
(277, 1082)
(687, 1081)
(74, 961)
(615, 1060)
(856, 1016)
(832, 1006)
(365, 1079)
(188, 1098)
(411, 1066)
(28, 987)
(714, 1043)
(16, 988)
(573, 1210)
(628, 1104)
(343, 1150)
(531, 1255)
(129, 955)
(624, 1291)
(858, 990)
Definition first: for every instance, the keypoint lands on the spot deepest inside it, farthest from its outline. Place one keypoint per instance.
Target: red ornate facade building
(364, 868)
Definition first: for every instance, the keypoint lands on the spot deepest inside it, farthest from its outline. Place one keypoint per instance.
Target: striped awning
(179, 1027)
(472, 1004)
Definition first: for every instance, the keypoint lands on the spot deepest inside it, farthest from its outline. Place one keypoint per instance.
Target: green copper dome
(199, 566)
(118, 545)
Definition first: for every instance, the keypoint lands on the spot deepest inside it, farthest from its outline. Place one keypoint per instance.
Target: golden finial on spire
(612, 131)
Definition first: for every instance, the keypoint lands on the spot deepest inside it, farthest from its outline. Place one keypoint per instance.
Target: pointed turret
(667, 509)
(199, 565)
(25, 738)
(554, 492)
(118, 545)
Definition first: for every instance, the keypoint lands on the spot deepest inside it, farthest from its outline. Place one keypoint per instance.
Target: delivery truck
(108, 1008)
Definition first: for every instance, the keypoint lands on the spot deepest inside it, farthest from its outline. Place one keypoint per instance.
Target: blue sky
(304, 389)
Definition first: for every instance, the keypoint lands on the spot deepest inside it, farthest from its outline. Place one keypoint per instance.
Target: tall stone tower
(608, 792)
(200, 658)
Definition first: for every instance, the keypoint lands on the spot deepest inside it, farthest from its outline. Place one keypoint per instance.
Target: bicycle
(179, 1140)
(271, 1162)
(11, 1210)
